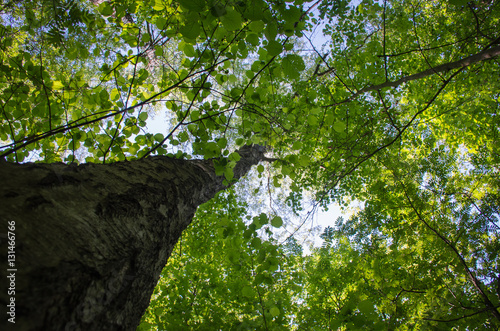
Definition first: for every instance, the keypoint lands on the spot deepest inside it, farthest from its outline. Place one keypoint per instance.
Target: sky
(158, 124)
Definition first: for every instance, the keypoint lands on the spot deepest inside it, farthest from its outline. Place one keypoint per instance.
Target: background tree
(387, 117)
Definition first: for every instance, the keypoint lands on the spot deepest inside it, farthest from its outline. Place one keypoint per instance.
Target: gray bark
(484, 55)
(91, 240)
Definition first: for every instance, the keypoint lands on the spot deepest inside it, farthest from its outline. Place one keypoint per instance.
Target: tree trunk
(91, 240)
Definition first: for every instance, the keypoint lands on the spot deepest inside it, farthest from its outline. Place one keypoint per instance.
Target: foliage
(398, 109)
(421, 254)
(223, 276)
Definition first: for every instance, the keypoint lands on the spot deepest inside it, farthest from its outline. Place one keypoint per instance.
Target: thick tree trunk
(91, 240)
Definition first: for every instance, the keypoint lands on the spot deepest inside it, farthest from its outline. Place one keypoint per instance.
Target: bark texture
(91, 240)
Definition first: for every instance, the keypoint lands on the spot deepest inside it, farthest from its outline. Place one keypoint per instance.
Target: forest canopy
(393, 104)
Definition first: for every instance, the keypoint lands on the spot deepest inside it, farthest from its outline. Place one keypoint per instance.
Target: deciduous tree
(399, 109)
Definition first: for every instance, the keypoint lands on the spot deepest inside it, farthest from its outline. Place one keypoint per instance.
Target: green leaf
(304, 160)
(218, 10)
(228, 174)
(193, 5)
(143, 116)
(261, 219)
(161, 22)
(255, 10)
(57, 85)
(274, 48)
(458, 3)
(159, 137)
(234, 156)
(104, 95)
(193, 128)
(275, 311)
(312, 120)
(256, 242)
(191, 28)
(222, 143)
(256, 26)
(277, 222)
(158, 5)
(115, 94)
(292, 15)
(247, 291)
(189, 50)
(292, 65)
(253, 39)
(271, 31)
(286, 170)
(329, 119)
(366, 307)
(194, 114)
(297, 145)
(144, 326)
(339, 126)
(106, 9)
(159, 311)
(260, 168)
(232, 20)
(236, 92)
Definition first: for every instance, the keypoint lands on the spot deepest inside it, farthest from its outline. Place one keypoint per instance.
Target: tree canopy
(395, 105)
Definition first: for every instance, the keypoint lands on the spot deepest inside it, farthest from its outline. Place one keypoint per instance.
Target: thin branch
(475, 281)
(478, 25)
(16, 145)
(385, 57)
(260, 301)
(481, 56)
(458, 318)
(310, 9)
(430, 48)
(420, 48)
(368, 156)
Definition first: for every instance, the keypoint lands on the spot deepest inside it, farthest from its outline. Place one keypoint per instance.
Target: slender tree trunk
(91, 240)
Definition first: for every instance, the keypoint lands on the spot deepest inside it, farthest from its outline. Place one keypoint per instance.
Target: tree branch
(475, 281)
(458, 318)
(481, 56)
